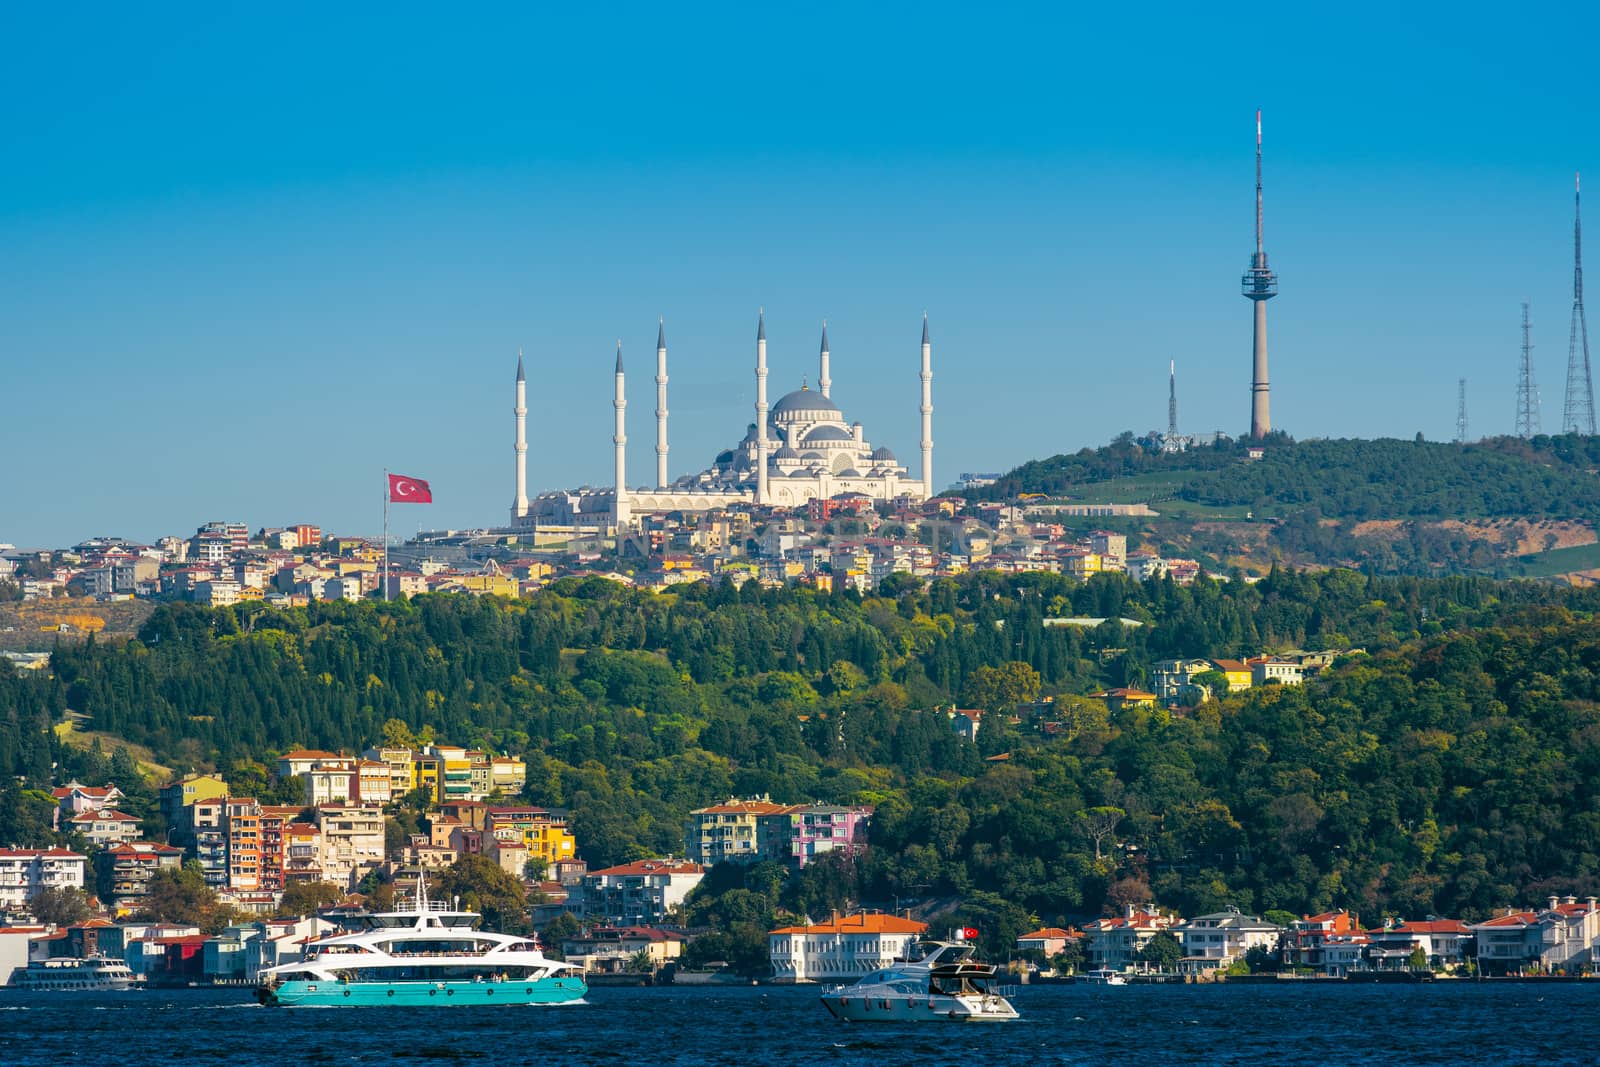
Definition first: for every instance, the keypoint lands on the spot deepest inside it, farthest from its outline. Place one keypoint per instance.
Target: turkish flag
(404, 490)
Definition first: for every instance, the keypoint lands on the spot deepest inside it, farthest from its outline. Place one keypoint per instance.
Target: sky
(252, 257)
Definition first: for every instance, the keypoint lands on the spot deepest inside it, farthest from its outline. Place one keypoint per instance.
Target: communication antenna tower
(1578, 417)
(1461, 412)
(1527, 392)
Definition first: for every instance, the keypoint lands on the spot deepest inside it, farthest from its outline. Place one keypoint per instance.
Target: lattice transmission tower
(1578, 416)
(1461, 412)
(1528, 423)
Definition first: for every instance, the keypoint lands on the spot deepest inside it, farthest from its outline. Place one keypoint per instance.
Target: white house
(842, 949)
(1562, 937)
(1114, 943)
(1211, 942)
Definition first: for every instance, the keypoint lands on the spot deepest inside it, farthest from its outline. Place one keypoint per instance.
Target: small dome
(814, 457)
(725, 457)
(827, 433)
(883, 455)
(849, 472)
(786, 453)
(803, 400)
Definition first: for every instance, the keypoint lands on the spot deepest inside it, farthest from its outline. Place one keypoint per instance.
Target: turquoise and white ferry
(430, 955)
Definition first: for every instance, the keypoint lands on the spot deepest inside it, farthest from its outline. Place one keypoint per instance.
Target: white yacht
(429, 954)
(944, 982)
(94, 973)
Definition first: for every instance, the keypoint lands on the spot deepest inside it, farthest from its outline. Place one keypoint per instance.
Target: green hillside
(1312, 503)
(1450, 769)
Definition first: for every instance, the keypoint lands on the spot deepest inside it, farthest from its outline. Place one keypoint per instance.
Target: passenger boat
(430, 954)
(86, 975)
(944, 982)
(1103, 976)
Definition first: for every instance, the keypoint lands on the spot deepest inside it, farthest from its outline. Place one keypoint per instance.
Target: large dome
(803, 400)
(826, 433)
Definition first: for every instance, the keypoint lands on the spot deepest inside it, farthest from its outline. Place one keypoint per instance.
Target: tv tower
(1260, 285)
(1578, 417)
(1461, 412)
(1527, 393)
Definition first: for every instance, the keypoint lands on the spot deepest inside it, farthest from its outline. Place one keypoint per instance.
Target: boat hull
(895, 1009)
(303, 994)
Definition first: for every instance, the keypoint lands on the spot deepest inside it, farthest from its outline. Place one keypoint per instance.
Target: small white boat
(1103, 976)
(943, 983)
(96, 973)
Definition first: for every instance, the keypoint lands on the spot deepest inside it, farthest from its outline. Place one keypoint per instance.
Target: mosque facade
(800, 449)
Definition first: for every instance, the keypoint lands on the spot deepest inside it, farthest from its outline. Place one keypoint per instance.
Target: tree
(1418, 960)
(179, 896)
(1214, 681)
(1259, 958)
(1004, 687)
(1098, 824)
(306, 898)
(1162, 952)
(557, 930)
(60, 905)
(1070, 958)
(483, 886)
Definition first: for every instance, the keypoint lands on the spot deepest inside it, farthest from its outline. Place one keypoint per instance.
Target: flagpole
(385, 576)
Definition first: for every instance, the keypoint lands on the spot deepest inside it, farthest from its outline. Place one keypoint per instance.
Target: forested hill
(1542, 478)
(1453, 769)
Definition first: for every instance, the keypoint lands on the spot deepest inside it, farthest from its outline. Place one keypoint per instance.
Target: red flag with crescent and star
(404, 490)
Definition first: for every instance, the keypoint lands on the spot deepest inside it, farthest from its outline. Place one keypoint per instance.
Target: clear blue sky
(250, 258)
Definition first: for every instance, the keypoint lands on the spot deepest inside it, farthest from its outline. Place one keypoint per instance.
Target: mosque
(800, 449)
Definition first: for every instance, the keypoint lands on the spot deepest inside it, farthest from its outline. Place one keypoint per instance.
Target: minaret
(661, 404)
(927, 411)
(823, 381)
(519, 500)
(619, 437)
(1260, 285)
(761, 407)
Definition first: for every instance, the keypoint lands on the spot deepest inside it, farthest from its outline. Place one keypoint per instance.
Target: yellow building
(402, 775)
(492, 584)
(1081, 565)
(427, 772)
(544, 831)
(1237, 673)
(1118, 699)
(185, 791)
(455, 772)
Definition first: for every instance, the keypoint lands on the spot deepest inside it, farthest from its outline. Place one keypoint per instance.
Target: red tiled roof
(1434, 926)
(641, 867)
(104, 813)
(42, 853)
(744, 807)
(308, 753)
(860, 923)
(1049, 932)
(1516, 918)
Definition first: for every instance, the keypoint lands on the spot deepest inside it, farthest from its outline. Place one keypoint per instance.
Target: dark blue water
(1447, 1023)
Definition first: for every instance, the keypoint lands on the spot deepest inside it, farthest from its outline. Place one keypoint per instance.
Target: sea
(1323, 1024)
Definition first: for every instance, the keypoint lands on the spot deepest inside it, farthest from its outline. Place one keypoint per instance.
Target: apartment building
(641, 893)
(27, 872)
